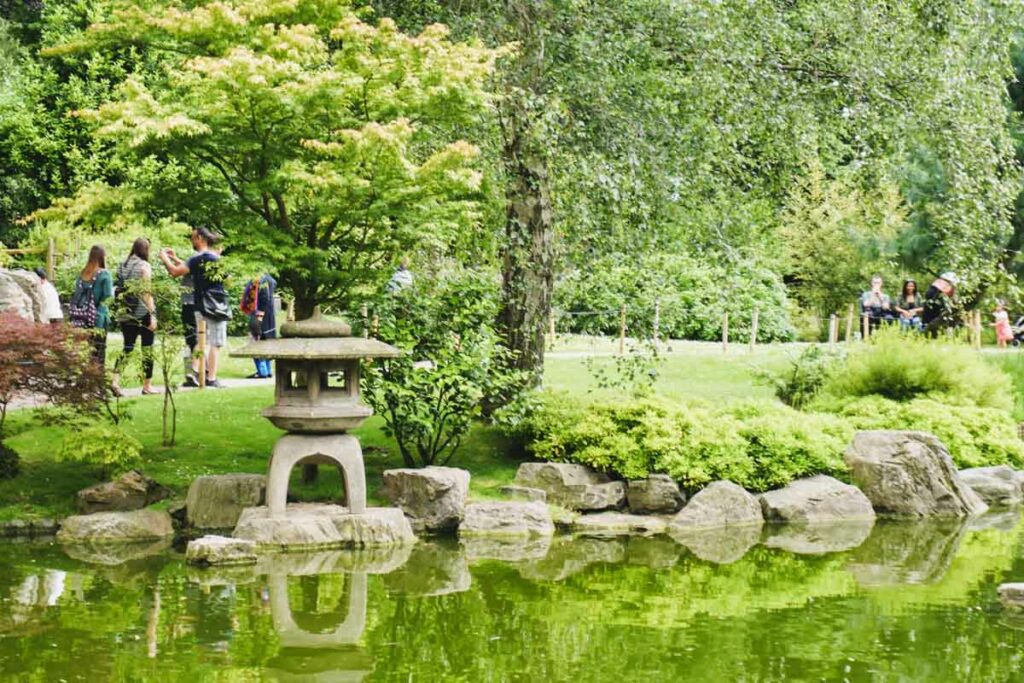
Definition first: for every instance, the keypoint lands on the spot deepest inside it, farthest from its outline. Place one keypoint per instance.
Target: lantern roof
(317, 338)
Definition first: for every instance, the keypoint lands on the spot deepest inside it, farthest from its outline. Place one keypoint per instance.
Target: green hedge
(758, 445)
(693, 296)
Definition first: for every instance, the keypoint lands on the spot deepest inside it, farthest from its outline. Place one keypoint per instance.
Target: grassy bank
(221, 430)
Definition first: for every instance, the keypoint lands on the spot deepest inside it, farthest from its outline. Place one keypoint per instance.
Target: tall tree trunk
(528, 254)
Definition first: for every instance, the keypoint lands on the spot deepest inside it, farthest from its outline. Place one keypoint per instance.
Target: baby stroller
(1018, 331)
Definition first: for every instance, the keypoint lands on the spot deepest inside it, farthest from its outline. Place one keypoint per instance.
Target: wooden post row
(201, 345)
(754, 321)
(622, 330)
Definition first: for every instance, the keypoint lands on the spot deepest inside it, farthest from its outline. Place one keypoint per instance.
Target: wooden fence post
(657, 319)
(375, 325)
(754, 321)
(201, 345)
(977, 330)
(364, 315)
(551, 330)
(622, 330)
(833, 330)
(849, 324)
(51, 259)
(725, 333)
(866, 325)
(290, 315)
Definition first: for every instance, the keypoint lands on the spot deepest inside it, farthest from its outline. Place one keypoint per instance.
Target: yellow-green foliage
(756, 445)
(104, 446)
(975, 437)
(903, 367)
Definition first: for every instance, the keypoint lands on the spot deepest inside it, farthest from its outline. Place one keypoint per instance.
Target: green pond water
(897, 602)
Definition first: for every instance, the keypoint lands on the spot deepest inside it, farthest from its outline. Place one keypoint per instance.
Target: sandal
(152, 392)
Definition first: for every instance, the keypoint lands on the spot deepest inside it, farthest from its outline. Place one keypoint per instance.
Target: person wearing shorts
(197, 267)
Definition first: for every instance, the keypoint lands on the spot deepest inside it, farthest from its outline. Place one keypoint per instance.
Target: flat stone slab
(1012, 594)
(220, 550)
(507, 518)
(619, 524)
(311, 526)
(116, 527)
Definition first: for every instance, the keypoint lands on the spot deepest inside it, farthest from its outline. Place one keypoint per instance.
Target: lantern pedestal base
(313, 526)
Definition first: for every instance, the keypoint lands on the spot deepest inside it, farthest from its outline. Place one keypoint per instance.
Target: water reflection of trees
(565, 609)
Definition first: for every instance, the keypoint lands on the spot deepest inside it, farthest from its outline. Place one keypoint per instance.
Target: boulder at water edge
(310, 526)
(216, 501)
(719, 504)
(524, 493)
(998, 486)
(657, 494)
(576, 487)
(507, 518)
(221, 551)
(131, 491)
(816, 500)
(433, 498)
(909, 474)
(115, 527)
(603, 524)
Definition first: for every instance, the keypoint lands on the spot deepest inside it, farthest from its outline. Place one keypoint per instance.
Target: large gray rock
(507, 518)
(116, 527)
(524, 493)
(576, 487)
(308, 526)
(13, 298)
(998, 486)
(216, 501)
(619, 524)
(32, 287)
(657, 494)
(816, 500)
(131, 491)
(719, 504)
(220, 550)
(433, 498)
(909, 474)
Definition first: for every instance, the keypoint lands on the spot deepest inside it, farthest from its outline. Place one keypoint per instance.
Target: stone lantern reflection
(316, 400)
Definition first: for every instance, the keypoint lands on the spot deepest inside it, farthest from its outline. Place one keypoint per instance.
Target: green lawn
(221, 430)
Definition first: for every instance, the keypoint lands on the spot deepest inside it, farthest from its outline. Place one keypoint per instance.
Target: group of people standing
(204, 300)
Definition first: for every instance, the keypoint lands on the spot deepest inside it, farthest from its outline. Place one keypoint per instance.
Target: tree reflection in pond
(569, 609)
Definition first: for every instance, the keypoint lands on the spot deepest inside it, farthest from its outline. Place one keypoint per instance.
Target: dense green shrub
(902, 367)
(102, 445)
(756, 445)
(975, 436)
(693, 295)
(10, 463)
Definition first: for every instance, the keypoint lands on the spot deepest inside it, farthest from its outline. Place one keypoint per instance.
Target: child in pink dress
(1004, 333)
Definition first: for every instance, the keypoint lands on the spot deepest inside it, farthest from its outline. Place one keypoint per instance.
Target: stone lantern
(316, 400)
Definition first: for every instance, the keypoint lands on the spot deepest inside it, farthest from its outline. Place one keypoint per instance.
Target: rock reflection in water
(506, 549)
(568, 556)
(907, 552)
(657, 552)
(1003, 520)
(434, 568)
(819, 539)
(722, 545)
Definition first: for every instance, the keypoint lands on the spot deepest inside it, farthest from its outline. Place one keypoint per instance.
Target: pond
(899, 602)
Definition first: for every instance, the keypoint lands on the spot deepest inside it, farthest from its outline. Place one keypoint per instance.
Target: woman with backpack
(88, 307)
(137, 315)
